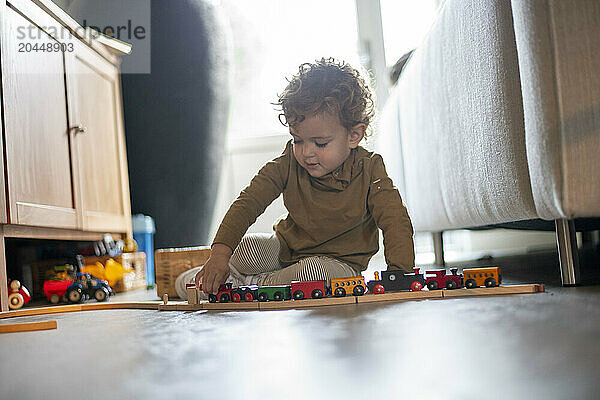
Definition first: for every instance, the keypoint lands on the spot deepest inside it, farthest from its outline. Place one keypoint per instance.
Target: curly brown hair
(327, 85)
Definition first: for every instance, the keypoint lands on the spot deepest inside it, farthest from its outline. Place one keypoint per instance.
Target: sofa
(497, 117)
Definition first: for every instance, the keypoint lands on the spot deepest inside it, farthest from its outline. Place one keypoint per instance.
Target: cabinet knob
(79, 128)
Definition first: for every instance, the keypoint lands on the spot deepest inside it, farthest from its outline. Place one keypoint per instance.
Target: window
(405, 23)
(271, 38)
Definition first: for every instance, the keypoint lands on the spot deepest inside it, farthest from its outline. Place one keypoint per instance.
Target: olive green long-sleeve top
(336, 215)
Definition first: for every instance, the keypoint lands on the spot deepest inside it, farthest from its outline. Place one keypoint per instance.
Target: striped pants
(256, 259)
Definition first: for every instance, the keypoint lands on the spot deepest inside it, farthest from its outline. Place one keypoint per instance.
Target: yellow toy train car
(488, 277)
(355, 285)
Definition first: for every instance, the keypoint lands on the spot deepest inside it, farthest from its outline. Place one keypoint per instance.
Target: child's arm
(265, 187)
(391, 217)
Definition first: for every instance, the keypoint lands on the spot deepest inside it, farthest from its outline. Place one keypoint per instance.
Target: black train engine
(396, 280)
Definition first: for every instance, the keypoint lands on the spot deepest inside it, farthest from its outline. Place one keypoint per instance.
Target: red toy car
(440, 280)
(304, 289)
(18, 295)
(55, 290)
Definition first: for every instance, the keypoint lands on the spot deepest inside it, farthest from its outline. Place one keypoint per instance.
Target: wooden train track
(280, 305)
(28, 327)
(135, 305)
(370, 298)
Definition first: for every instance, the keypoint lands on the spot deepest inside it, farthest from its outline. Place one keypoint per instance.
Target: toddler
(337, 194)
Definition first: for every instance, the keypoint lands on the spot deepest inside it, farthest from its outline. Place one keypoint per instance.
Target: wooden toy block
(400, 296)
(192, 293)
(28, 326)
(232, 306)
(165, 299)
(494, 291)
(327, 301)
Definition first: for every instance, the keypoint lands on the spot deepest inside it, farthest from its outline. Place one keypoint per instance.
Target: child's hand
(216, 270)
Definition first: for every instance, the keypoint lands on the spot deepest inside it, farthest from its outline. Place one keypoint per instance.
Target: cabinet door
(100, 170)
(38, 164)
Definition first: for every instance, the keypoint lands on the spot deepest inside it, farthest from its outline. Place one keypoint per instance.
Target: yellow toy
(114, 271)
(97, 270)
(488, 277)
(111, 272)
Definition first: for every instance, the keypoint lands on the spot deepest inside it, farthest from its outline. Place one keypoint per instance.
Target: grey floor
(541, 346)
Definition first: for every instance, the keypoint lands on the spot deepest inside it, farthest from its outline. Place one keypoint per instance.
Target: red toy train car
(304, 289)
(439, 279)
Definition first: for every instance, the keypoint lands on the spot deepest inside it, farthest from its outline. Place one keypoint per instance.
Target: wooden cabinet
(65, 168)
(38, 163)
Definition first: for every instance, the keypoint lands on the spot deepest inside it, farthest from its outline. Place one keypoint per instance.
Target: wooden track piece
(28, 326)
(189, 307)
(231, 306)
(179, 306)
(399, 296)
(327, 301)
(135, 305)
(41, 311)
(172, 306)
(494, 291)
(120, 305)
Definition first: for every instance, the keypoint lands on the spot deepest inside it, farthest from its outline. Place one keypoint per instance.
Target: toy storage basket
(170, 263)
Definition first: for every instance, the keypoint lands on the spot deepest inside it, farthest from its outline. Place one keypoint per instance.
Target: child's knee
(256, 253)
(252, 243)
(312, 268)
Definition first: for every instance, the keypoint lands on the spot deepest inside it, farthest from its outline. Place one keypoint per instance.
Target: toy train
(394, 280)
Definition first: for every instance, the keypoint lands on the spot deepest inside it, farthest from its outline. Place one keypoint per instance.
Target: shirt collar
(340, 177)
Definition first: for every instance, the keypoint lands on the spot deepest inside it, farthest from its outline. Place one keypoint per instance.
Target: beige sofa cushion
(558, 45)
(461, 121)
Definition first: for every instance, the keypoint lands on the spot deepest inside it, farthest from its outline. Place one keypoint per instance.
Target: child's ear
(357, 133)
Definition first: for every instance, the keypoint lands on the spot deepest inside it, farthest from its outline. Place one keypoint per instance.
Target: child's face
(321, 143)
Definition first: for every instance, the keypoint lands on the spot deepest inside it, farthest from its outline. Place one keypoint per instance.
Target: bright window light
(271, 38)
(405, 23)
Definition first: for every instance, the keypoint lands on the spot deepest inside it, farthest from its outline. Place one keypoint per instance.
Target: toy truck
(55, 290)
(83, 287)
(87, 286)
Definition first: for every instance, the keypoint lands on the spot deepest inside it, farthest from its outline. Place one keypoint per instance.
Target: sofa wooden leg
(438, 248)
(567, 252)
